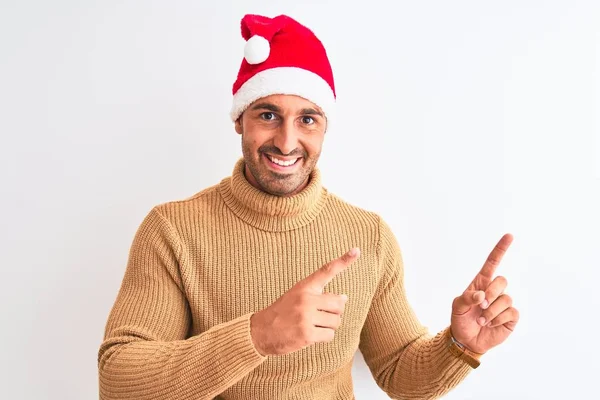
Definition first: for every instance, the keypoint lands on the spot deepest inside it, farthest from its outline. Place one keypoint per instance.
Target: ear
(238, 125)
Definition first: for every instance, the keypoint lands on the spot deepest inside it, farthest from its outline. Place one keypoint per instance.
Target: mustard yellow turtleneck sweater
(198, 269)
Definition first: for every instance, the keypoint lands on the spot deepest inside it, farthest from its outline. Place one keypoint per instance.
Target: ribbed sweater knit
(197, 270)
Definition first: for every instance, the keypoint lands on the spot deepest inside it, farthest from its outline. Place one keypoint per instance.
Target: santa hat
(282, 56)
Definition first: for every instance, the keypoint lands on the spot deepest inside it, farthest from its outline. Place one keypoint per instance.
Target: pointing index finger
(321, 277)
(493, 260)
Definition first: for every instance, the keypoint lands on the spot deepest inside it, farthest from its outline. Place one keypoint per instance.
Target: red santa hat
(282, 56)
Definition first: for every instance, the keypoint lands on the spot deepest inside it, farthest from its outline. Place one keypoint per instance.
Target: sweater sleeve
(405, 360)
(146, 352)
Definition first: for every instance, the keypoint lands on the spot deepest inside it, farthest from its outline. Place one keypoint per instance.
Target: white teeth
(283, 163)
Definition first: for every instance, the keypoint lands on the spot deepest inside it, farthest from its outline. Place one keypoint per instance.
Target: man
(265, 285)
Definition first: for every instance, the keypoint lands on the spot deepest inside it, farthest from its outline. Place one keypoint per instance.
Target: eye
(267, 116)
(308, 120)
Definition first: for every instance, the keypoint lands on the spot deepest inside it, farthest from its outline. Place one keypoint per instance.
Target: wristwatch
(461, 352)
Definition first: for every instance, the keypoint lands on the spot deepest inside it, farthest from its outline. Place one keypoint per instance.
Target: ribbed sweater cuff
(232, 344)
(457, 368)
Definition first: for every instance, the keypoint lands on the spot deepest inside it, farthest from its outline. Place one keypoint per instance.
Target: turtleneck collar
(269, 212)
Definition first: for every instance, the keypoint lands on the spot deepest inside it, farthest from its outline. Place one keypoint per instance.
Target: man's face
(282, 137)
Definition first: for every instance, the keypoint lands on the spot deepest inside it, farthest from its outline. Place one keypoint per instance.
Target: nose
(286, 138)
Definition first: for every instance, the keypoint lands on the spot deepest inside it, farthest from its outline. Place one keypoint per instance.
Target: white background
(458, 121)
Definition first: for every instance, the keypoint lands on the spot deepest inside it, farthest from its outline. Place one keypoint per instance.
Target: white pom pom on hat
(257, 49)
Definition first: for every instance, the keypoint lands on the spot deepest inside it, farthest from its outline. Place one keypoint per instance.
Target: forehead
(286, 102)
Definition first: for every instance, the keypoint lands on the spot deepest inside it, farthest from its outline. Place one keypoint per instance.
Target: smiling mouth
(282, 163)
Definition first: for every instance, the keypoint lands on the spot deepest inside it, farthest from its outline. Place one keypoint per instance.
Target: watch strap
(461, 352)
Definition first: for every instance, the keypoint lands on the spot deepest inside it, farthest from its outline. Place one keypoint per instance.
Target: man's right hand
(303, 315)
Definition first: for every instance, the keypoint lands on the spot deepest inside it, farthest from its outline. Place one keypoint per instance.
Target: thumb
(321, 277)
(464, 302)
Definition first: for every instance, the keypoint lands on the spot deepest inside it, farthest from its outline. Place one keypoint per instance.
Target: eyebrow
(266, 106)
(311, 111)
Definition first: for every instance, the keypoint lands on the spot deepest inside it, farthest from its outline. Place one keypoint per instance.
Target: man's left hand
(483, 316)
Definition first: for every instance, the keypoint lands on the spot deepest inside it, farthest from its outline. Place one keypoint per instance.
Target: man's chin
(279, 190)
(277, 183)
